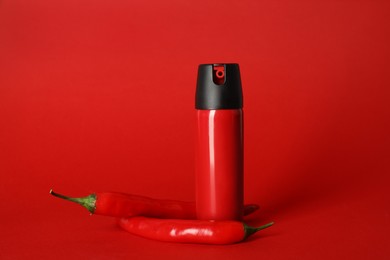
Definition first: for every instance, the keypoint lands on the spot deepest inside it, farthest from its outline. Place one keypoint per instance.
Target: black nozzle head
(218, 87)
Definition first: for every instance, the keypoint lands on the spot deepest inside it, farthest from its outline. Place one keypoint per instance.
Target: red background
(99, 96)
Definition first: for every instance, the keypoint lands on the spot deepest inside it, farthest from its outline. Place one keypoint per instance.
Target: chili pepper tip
(251, 230)
(88, 202)
(250, 208)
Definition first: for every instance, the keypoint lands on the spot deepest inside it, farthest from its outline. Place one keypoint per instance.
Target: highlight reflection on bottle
(219, 152)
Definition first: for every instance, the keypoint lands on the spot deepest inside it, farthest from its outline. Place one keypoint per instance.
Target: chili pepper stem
(88, 202)
(251, 230)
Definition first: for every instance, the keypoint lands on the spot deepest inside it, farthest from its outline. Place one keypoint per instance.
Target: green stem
(251, 230)
(88, 202)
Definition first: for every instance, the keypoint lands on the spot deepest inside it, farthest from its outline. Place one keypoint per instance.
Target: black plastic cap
(218, 89)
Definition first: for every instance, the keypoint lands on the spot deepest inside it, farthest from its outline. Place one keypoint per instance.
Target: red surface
(219, 164)
(84, 91)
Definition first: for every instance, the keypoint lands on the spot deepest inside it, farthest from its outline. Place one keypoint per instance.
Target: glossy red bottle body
(219, 164)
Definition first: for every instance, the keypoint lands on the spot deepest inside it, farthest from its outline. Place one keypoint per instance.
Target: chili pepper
(127, 205)
(189, 231)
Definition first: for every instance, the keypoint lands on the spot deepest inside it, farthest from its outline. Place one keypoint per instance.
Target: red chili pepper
(126, 205)
(189, 231)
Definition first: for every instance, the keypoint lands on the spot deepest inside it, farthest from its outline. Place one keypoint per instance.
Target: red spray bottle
(219, 152)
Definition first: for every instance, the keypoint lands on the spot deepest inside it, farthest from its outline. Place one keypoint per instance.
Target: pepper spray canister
(219, 146)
